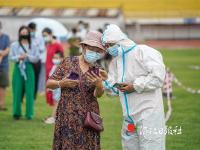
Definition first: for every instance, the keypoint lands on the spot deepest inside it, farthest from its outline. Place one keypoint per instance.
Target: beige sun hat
(93, 38)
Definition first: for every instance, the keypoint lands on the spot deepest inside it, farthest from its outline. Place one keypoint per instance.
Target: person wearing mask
(87, 27)
(4, 81)
(23, 54)
(52, 46)
(39, 67)
(57, 59)
(137, 73)
(80, 89)
(81, 30)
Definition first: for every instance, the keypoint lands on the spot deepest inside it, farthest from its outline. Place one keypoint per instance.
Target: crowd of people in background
(35, 59)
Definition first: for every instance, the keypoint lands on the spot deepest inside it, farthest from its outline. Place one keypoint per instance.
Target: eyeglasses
(107, 45)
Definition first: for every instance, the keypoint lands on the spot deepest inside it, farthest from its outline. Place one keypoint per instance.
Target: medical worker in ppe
(136, 74)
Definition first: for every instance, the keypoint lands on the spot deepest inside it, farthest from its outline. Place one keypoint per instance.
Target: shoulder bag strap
(21, 45)
(81, 86)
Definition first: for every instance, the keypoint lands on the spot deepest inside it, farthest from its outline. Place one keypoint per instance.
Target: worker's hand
(126, 87)
(23, 56)
(103, 74)
(68, 83)
(95, 79)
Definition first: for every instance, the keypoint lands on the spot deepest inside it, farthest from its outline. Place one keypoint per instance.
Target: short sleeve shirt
(4, 43)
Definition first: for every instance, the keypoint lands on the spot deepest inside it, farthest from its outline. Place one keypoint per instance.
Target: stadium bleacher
(131, 8)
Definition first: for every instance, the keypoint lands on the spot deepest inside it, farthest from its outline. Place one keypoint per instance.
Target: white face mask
(56, 61)
(47, 39)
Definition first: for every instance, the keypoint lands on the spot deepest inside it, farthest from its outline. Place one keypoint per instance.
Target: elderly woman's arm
(53, 84)
(97, 81)
(99, 90)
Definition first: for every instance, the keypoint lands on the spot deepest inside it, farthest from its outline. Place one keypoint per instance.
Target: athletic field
(35, 135)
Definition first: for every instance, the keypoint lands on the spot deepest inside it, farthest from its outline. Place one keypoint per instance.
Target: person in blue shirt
(39, 67)
(4, 81)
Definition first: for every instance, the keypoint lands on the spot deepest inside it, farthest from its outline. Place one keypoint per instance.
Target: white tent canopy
(58, 29)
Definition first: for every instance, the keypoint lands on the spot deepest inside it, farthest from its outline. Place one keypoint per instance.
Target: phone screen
(117, 85)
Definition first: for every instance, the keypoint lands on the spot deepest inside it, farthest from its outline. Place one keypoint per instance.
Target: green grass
(35, 135)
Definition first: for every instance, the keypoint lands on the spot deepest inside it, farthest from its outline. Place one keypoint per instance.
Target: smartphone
(73, 76)
(94, 70)
(118, 85)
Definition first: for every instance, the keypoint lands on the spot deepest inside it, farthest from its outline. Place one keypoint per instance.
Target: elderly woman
(80, 88)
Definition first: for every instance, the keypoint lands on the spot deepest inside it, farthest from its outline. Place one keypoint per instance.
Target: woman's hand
(23, 56)
(103, 74)
(95, 79)
(53, 84)
(65, 83)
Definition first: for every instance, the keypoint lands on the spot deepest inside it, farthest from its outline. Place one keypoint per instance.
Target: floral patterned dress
(69, 132)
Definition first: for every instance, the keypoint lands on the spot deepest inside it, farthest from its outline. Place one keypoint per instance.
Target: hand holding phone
(94, 70)
(125, 87)
(119, 85)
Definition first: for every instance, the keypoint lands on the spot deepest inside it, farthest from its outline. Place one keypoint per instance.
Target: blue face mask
(91, 56)
(114, 50)
(32, 34)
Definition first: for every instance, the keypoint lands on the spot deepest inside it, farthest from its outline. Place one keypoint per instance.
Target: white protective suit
(143, 67)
